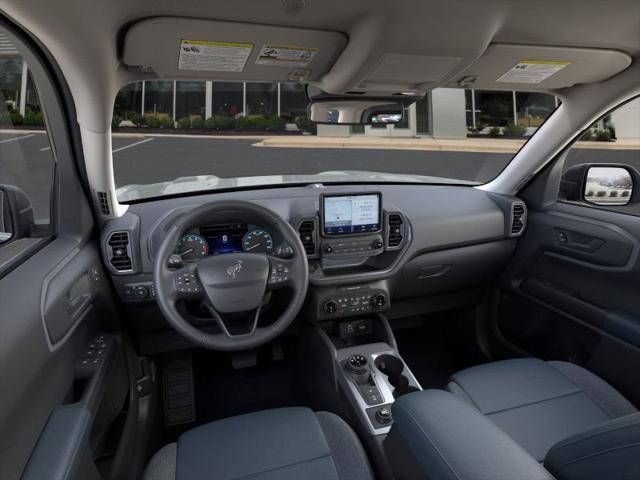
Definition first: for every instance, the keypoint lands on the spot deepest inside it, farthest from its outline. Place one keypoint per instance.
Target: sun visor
(180, 48)
(532, 68)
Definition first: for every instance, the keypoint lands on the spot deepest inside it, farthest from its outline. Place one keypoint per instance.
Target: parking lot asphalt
(27, 161)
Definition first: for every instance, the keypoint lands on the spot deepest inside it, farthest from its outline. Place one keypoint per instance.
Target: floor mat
(222, 391)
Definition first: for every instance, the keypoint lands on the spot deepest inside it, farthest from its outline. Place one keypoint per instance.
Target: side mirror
(608, 186)
(16, 214)
(603, 185)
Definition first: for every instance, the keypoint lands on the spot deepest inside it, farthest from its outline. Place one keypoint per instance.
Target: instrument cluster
(220, 239)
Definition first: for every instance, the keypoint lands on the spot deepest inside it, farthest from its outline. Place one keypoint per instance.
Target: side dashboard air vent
(103, 203)
(518, 218)
(307, 232)
(395, 230)
(119, 252)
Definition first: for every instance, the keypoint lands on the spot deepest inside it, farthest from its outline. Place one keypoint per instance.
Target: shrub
(244, 124)
(513, 130)
(197, 123)
(220, 122)
(16, 118)
(601, 193)
(495, 132)
(276, 124)
(115, 122)
(184, 122)
(588, 135)
(613, 193)
(167, 122)
(151, 121)
(603, 135)
(5, 118)
(133, 117)
(625, 193)
(306, 125)
(589, 193)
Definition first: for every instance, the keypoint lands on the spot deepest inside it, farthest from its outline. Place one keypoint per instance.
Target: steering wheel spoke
(280, 273)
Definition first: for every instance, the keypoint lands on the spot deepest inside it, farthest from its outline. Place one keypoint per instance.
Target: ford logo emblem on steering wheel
(234, 270)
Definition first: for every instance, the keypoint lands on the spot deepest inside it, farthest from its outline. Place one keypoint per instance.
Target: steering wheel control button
(279, 274)
(187, 283)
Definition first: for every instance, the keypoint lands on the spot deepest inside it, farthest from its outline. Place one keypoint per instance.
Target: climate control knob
(379, 300)
(330, 307)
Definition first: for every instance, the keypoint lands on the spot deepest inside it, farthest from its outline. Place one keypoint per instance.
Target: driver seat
(284, 443)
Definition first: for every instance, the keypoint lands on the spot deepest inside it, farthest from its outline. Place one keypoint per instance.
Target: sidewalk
(488, 145)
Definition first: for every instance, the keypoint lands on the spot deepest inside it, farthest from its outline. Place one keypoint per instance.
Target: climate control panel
(360, 246)
(354, 300)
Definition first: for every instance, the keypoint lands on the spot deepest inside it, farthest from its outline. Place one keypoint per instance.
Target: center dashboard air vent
(396, 231)
(307, 230)
(119, 252)
(518, 218)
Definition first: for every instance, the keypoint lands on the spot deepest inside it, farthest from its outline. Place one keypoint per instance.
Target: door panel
(59, 395)
(571, 291)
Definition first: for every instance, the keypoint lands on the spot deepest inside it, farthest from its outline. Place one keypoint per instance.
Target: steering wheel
(231, 283)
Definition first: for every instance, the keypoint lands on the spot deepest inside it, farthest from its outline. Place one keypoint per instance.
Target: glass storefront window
(10, 79)
(128, 104)
(190, 99)
(158, 98)
(494, 109)
(293, 101)
(262, 99)
(534, 108)
(423, 116)
(227, 99)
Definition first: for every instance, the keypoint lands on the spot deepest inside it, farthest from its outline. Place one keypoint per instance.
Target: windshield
(176, 137)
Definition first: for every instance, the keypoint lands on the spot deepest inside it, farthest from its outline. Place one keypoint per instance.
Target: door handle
(578, 241)
(78, 296)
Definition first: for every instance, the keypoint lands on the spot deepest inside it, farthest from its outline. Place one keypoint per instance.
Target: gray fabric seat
(284, 443)
(539, 403)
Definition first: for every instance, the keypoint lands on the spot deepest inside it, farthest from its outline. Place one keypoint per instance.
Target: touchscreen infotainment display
(351, 214)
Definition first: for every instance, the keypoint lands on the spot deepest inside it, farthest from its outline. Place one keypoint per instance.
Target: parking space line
(132, 145)
(13, 139)
(45, 149)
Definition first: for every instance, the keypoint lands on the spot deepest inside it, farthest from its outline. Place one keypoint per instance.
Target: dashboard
(393, 249)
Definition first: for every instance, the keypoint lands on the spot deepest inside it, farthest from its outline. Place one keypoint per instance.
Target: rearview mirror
(608, 186)
(356, 111)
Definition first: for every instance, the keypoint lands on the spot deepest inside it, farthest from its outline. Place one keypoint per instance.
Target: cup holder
(393, 367)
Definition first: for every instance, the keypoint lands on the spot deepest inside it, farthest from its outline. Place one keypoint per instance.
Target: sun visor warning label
(213, 56)
(532, 71)
(285, 56)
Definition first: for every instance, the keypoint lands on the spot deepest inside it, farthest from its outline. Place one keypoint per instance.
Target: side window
(602, 169)
(27, 164)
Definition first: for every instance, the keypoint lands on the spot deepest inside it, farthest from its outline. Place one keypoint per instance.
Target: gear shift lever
(358, 366)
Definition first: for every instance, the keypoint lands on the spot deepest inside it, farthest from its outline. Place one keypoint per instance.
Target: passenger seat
(560, 413)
